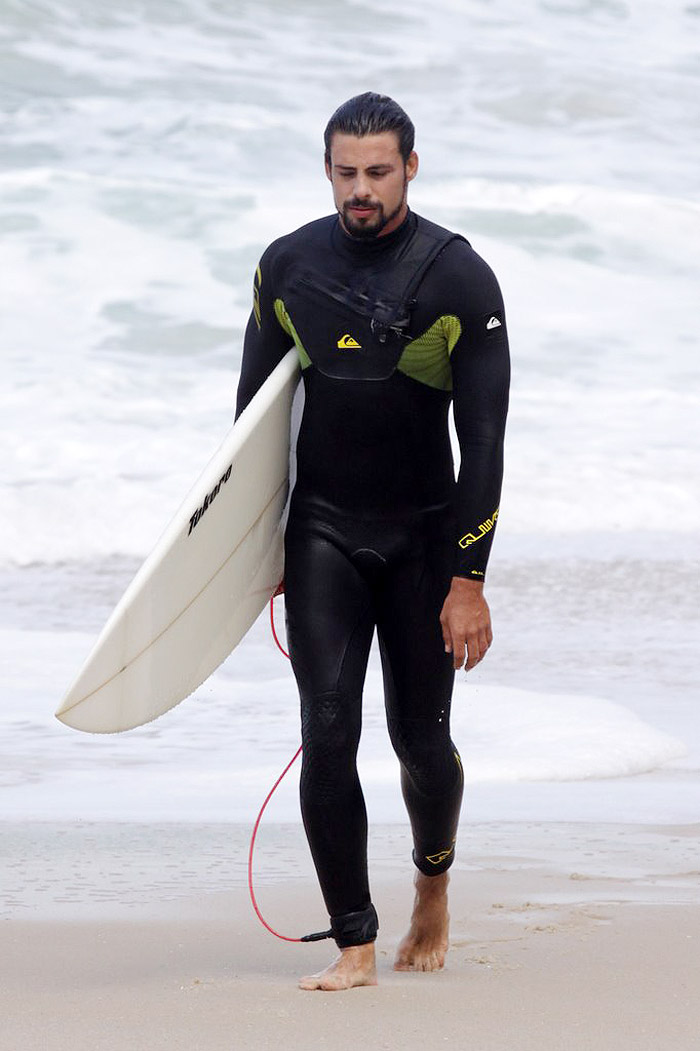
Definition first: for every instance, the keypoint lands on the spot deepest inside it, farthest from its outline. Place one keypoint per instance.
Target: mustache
(354, 203)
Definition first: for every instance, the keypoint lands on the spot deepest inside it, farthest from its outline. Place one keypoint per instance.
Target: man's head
(370, 160)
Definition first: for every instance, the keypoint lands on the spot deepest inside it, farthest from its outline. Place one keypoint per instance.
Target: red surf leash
(320, 935)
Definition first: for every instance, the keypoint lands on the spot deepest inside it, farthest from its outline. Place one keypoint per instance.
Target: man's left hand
(466, 622)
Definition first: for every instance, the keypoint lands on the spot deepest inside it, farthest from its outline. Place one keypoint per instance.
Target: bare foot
(425, 946)
(355, 966)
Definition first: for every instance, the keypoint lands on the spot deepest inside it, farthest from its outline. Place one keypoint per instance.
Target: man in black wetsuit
(393, 318)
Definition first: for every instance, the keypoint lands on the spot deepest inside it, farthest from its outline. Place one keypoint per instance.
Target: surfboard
(206, 580)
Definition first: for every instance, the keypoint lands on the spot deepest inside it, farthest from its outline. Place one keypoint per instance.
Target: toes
(310, 981)
(420, 961)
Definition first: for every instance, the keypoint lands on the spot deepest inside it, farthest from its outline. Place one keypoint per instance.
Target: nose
(362, 188)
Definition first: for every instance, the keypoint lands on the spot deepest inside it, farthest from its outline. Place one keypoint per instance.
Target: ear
(411, 166)
(327, 166)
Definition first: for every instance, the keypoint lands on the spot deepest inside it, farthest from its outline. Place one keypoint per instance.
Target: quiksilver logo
(347, 342)
(436, 859)
(471, 538)
(493, 322)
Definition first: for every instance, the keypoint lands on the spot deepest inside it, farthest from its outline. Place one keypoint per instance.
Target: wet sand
(137, 936)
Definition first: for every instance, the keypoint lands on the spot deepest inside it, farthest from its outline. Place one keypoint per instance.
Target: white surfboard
(205, 582)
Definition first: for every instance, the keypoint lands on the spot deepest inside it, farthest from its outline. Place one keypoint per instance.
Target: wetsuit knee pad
(355, 928)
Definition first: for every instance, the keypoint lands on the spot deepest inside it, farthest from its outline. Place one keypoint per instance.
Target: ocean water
(148, 154)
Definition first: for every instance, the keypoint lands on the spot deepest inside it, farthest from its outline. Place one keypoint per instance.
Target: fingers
(454, 644)
(471, 649)
(458, 653)
(477, 648)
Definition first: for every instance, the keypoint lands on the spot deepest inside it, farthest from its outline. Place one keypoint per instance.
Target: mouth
(362, 211)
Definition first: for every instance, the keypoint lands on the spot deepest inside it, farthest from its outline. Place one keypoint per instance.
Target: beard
(372, 226)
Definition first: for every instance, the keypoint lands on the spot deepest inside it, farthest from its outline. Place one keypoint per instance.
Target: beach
(563, 936)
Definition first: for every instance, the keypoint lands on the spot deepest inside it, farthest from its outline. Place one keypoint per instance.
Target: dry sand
(563, 937)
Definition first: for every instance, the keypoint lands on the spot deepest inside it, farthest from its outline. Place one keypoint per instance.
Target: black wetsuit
(377, 525)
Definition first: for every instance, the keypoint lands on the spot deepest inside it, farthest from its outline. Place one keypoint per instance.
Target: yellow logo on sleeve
(347, 342)
(484, 528)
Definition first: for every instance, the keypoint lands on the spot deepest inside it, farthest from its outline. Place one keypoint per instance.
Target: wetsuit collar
(372, 247)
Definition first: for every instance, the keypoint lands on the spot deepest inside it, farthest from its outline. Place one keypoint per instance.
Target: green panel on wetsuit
(286, 323)
(427, 358)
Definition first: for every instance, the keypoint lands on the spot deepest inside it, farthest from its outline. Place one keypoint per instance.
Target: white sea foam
(208, 758)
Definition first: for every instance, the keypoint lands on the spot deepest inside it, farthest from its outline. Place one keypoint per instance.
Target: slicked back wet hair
(371, 114)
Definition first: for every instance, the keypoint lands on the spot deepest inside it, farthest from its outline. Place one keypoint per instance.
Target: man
(393, 317)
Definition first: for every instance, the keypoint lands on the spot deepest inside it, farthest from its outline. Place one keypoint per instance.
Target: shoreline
(563, 935)
(50, 871)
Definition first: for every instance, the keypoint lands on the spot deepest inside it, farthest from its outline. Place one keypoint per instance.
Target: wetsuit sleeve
(266, 342)
(480, 376)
